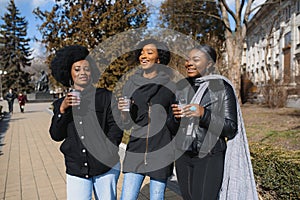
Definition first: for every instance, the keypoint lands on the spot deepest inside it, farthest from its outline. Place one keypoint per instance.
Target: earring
(71, 82)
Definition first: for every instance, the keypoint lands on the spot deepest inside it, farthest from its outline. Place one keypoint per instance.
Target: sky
(27, 6)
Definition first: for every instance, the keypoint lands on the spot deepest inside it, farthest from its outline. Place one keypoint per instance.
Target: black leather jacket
(218, 123)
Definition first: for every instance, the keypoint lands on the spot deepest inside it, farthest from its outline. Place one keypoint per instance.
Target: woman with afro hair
(84, 122)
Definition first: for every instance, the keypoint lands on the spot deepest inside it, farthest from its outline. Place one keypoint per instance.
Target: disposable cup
(75, 93)
(127, 101)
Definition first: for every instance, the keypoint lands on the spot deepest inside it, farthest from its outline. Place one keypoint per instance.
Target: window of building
(281, 14)
(256, 76)
(288, 13)
(287, 39)
(261, 75)
(298, 6)
(298, 34)
(285, 14)
(298, 67)
(276, 72)
(271, 43)
(276, 23)
(251, 76)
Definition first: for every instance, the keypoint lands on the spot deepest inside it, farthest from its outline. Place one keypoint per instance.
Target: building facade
(272, 47)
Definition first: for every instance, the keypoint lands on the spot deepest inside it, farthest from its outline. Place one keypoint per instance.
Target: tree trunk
(234, 50)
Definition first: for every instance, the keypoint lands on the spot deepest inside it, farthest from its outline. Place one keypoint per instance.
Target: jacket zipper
(148, 131)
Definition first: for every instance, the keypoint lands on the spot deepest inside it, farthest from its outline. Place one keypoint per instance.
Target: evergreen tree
(90, 22)
(16, 52)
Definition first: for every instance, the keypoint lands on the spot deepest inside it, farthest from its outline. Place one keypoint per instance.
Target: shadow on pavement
(145, 192)
(4, 124)
(16, 119)
(31, 111)
(171, 185)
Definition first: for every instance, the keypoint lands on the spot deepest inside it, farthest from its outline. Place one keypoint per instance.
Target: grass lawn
(279, 127)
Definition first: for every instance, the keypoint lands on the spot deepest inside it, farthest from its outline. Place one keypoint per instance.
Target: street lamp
(2, 72)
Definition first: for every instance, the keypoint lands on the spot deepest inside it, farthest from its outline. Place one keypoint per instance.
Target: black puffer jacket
(88, 151)
(220, 117)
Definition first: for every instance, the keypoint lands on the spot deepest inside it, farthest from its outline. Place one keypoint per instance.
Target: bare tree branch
(225, 5)
(225, 19)
(248, 12)
(241, 8)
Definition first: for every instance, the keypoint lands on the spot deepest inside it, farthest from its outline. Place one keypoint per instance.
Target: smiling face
(149, 56)
(196, 63)
(81, 74)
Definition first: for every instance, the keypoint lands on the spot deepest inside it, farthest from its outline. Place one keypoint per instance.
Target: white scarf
(238, 179)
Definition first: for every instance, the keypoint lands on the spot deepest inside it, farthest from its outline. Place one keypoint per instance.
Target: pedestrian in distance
(83, 121)
(10, 98)
(22, 99)
(151, 93)
(211, 142)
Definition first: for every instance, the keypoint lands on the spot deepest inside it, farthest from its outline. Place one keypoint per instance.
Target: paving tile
(32, 166)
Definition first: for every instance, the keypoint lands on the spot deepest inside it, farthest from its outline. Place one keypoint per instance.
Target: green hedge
(277, 172)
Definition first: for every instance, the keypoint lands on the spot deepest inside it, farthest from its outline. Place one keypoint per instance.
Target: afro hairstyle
(64, 59)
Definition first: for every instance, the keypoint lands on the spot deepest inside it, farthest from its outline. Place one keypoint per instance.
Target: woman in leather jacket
(83, 120)
(206, 123)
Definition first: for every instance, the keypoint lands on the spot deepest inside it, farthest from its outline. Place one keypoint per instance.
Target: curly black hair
(64, 58)
(164, 54)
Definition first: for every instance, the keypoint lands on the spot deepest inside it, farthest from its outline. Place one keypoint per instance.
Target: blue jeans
(132, 183)
(104, 185)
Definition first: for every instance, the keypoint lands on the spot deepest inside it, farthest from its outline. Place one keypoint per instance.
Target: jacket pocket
(191, 143)
(66, 146)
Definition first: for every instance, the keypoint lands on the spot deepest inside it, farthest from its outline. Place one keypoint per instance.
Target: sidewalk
(31, 165)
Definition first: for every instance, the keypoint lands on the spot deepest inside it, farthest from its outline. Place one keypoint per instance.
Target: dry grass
(279, 127)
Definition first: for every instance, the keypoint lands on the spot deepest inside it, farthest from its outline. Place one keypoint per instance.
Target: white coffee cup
(127, 101)
(76, 93)
(181, 104)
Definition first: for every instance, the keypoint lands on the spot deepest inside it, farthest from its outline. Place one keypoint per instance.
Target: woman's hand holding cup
(124, 104)
(74, 97)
